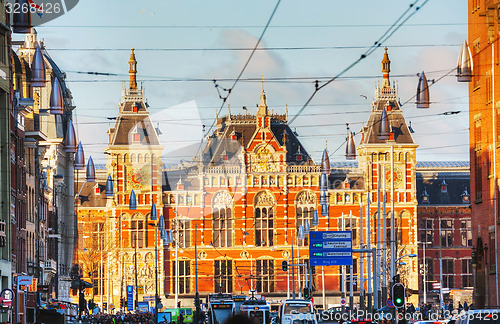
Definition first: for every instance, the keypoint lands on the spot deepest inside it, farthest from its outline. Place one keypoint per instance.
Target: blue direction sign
(130, 298)
(330, 248)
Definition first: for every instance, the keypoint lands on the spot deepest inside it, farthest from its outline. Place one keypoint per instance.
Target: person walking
(181, 317)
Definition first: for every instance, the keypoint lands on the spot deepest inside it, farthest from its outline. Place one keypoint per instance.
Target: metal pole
(342, 268)
(375, 297)
(362, 269)
(379, 234)
(298, 268)
(156, 271)
(176, 262)
(384, 239)
(293, 272)
(425, 274)
(288, 282)
(251, 272)
(101, 288)
(393, 212)
(136, 302)
(369, 263)
(441, 301)
(197, 296)
(351, 274)
(323, 284)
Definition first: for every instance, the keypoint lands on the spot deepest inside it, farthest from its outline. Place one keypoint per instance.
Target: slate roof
(397, 123)
(244, 128)
(133, 118)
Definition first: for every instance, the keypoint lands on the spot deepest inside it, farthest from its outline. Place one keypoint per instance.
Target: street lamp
(425, 272)
(157, 225)
(406, 255)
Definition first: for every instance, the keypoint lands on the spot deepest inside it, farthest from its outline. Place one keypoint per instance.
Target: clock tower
(387, 153)
(134, 161)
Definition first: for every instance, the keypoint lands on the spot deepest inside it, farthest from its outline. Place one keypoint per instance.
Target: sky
(182, 46)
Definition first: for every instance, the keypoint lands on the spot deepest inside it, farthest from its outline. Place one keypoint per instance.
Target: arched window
(264, 219)
(305, 204)
(222, 219)
(265, 275)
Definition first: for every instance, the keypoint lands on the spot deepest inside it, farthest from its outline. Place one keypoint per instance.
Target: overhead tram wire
(244, 26)
(224, 99)
(387, 34)
(238, 49)
(293, 79)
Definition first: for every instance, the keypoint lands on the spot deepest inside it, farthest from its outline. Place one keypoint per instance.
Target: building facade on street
(444, 231)
(240, 204)
(43, 222)
(484, 116)
(116, 247)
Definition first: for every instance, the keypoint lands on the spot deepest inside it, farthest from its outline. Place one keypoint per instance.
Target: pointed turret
(132, 63)
(263, 109)
(386, 122)
(386, 68)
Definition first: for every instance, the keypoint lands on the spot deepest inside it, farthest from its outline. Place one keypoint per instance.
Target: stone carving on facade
(264, 198)
(244, 254)
(222, 200)
(202, 255)
(306, 197)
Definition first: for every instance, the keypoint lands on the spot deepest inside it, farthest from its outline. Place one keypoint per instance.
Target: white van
(297, 311)
(478, 316)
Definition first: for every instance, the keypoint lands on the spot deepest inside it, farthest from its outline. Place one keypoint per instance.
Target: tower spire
(263, 109)
(132, 63)
(386, 68)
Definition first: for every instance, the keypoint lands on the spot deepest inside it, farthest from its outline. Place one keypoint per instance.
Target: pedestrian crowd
(124, 318)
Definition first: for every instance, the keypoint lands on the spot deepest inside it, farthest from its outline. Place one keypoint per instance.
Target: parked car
(479, 316)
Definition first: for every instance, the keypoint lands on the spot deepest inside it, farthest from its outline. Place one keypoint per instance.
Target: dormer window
(233, 136)
(224, 156)
(136, 136)
(298, 155)
(465, 197)
(425, 196)
(180, 185)
(136, 107)
(444, 186)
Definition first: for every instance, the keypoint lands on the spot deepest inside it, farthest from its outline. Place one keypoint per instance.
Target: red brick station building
(243, 198)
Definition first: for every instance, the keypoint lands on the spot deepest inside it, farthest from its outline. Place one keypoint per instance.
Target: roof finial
(229, 111)
(262, 108)
(286, 112)
(386, 68)
(132, 64)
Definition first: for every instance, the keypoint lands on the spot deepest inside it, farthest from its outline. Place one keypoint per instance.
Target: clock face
(263, 160)
(138, 178)
(398, 177)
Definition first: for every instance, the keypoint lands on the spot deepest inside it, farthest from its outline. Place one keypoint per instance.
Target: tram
(257, 310)
(220, 308)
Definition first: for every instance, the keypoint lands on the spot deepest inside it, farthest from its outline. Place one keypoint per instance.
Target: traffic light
(396, 279)
(284, 266)
(121, 302)
(307, 293)
(398, 295)
(178, 304)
